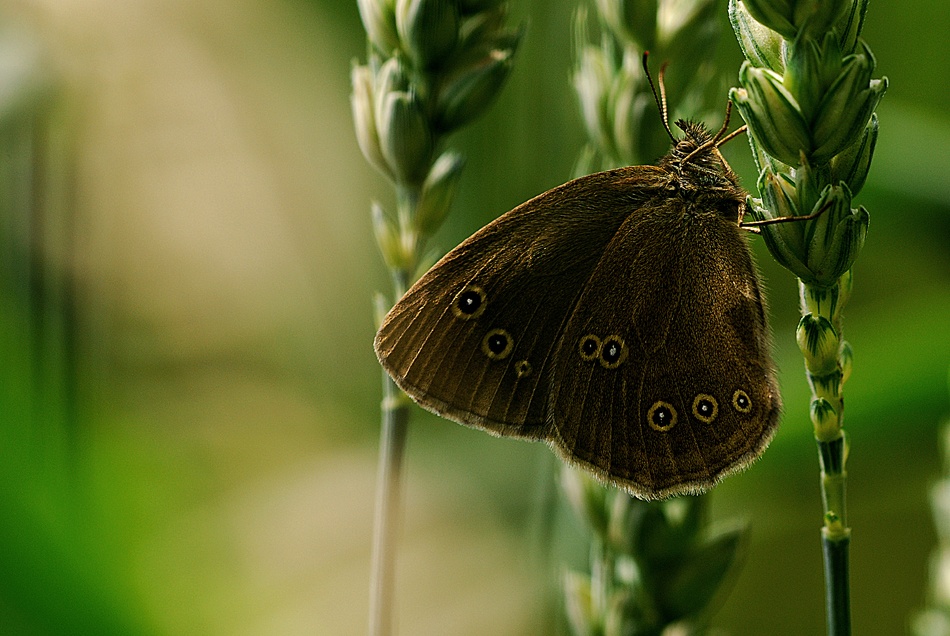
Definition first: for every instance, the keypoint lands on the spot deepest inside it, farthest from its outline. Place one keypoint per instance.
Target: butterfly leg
(753, 226)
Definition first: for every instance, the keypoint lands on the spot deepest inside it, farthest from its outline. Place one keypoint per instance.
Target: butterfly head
(696, 158)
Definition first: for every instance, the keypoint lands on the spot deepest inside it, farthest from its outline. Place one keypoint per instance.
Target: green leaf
(690, 588)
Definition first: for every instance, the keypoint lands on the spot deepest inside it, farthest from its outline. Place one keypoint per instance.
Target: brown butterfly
(617, 317)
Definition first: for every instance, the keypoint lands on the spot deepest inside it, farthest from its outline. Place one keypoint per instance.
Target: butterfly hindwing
(675, 388)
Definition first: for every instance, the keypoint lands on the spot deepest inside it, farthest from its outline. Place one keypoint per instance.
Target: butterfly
(618, 317)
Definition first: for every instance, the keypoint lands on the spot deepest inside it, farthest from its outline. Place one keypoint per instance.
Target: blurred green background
(188, 393)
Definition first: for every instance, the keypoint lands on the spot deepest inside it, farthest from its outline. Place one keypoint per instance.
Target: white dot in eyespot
(661, 416)
(589, 347)
(705, 408)
(497, 344)
(470, 302)
(613, 352)
(741, 401)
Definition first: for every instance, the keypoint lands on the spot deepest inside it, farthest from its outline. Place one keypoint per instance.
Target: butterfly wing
(663, 381)
(474, 339)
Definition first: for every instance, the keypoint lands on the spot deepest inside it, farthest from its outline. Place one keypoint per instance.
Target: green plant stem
(832, 455)
(392, 443)
(835, 537)
(833, 480)
(601, 578)
(394, 430)
(837, 585)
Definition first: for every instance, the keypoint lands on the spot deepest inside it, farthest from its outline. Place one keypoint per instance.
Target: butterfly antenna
(660, 97)
(725, 124)
(735, 133)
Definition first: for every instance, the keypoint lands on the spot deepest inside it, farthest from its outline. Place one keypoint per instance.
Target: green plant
(806, 93)
(432, 67)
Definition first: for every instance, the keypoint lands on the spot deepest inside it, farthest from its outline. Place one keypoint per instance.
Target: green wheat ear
(432, 67)
(807, 93)
(615, 98)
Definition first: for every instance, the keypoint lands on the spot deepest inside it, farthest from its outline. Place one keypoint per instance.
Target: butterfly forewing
(474, 338)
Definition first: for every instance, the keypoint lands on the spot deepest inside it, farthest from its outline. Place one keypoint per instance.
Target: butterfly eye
(469, 303)
(661, 416)
(741, 401)
(705, 408)
(730, 211)
(497, 344)
(589, 347)
(613, 352)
